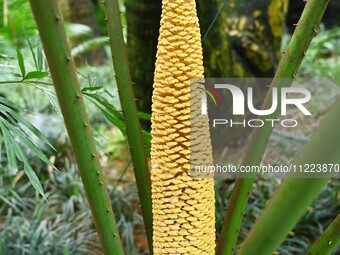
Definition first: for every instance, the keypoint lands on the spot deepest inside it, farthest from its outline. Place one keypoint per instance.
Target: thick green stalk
(329, 241)
(289, 65)
(127, 101)
(291, 199)
(52, 33)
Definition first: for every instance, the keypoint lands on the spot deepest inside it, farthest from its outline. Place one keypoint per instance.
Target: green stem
(329, 241)
(51, 28)
(26, 82)
(289, 65)
(127, 101)
(291, 199)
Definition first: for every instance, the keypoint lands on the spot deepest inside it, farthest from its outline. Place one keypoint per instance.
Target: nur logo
(213, 94)
(281, 97)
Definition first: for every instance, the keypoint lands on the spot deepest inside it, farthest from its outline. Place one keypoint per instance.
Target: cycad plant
(182, 218)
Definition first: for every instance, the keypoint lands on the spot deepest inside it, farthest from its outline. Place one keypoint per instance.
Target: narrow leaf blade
(29, 171)
(21, 63)
(35, 75)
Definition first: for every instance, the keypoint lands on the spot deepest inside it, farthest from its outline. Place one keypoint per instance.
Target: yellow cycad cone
(183, 207)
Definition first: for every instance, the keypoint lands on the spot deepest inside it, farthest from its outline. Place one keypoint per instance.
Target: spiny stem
(52, 33)
(291, 199)
(329, 241)
(289, 65)
(127, 101)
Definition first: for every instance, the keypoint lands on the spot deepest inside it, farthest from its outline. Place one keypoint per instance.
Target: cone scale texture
(183, 207)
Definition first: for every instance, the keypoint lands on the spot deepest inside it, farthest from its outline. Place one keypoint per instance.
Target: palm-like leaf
(13, 134)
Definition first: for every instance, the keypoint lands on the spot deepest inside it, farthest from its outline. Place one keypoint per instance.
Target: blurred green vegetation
(320, 214)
